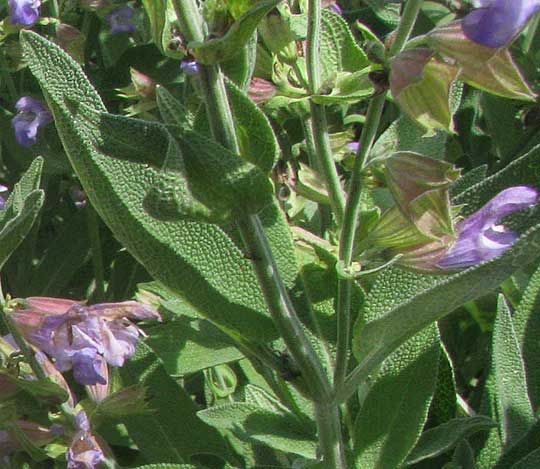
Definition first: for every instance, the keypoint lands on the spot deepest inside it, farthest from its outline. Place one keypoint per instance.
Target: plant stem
(281, 308)
(93, 222)
(352, 209)
(318, 114)
(251, 229)
(292, 331)
(329, 426)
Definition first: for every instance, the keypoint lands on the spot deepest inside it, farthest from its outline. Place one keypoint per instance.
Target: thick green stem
(250, 227)
(352, 209)
(323, 151)
(281, 308)
(329, 426)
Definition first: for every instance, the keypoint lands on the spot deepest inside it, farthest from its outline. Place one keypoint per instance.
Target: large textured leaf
(339, 51)
(527, 326)
(514, 409)
(197, 261)
(521, 449)
(443, 438)
(21, 210)
(171, 432)
(226, 47)
(395, 410)
(187, 346)
(279, 430)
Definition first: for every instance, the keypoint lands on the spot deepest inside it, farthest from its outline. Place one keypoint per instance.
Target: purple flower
(31, 115)
(2, 199)
(25, 12)
(336, 8)
(497, 22)
(121, 20)
(82, 337)
(190, 66)
(353, 147)
(480, 236)
(84, 452)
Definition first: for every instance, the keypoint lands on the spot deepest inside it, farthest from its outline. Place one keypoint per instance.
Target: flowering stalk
(279, 304)
(352, 209)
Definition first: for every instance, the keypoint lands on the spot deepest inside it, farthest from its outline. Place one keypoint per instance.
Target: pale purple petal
(497, 22)
(481, 237)
(31, 115)
(189, 67)
(84, 452)
(87, 367)
(25, 12)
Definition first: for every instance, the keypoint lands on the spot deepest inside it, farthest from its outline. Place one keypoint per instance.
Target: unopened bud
(144, 85)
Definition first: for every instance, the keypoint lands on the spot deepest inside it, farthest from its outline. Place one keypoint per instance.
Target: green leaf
(514, 409)
(227, 47)
(338, 50)
(225, 183)
(21, 210)
(527, 326)
(258, 144)
(199, 262)
(349, 87)
(156, 11)
(281, 431)
(171, 432)
(405, 135)
(435, 299)
(187, 346)
(387, 12)
(395, 410)
(531, 461)
(444, 403)
(443, 438)
(240, 68)
(43, 390)
(521, 449)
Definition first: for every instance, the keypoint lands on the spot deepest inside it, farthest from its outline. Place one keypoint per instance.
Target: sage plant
(270, 234)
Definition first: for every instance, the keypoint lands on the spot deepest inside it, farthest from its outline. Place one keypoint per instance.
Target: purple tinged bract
(121, 20)
(25, 12)
(481, 237)
(31, 115)
(497, 22)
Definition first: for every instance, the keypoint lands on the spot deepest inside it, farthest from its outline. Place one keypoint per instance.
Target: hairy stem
(251, 229)
(319, 124)
(352, 209)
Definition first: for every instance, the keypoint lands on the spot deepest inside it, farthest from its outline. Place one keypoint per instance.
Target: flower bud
(144, 85)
